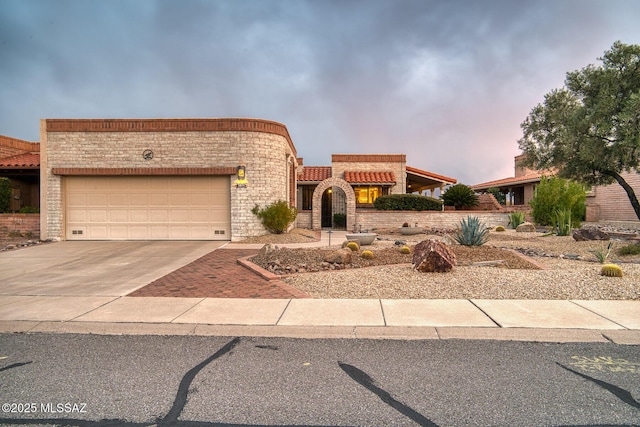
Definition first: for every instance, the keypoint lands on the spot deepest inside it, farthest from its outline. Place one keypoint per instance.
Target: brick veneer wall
(12, 146)
(610, 202)
(180, 144)
(303, 219)
(15, 225)
(371, 219)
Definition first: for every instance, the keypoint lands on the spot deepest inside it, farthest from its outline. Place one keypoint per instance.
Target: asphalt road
(93, 380)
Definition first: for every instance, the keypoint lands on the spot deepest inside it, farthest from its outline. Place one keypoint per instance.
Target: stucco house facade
(191, 179)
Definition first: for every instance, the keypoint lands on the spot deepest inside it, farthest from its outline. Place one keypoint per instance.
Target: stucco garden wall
(181, 146)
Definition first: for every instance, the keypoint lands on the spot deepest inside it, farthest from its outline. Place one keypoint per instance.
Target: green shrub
(339, 220)
(29, 209)
(499, 195)
(632, 249)
(471, 232)
(611, 270)
(277, 217)
(557, 193)
(515, 219)
(500, 228)
(407, 202)
(460, 196)
(367, 254)
(5, 194)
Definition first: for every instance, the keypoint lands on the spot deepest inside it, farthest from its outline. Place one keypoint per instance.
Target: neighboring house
(356, 181)
(189, 179)
(604, 203)
(20, 162)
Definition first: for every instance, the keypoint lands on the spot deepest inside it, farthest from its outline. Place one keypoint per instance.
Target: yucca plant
(562, 218)
(471, 232)
(602, 255)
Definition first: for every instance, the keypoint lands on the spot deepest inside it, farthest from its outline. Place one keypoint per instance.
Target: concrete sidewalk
(531, 320)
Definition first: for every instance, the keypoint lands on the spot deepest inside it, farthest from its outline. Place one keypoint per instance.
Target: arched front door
(323, 209)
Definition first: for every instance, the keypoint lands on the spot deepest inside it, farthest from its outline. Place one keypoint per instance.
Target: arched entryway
(334, 209)
(324, 207)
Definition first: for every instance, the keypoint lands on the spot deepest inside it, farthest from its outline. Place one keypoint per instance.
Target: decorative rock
(585, 234)
(526, 227)
(265, 250)
(400, 243)
(433, 256)
(341, 256)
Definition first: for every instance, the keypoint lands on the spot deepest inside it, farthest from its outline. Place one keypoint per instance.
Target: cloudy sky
(445, 82)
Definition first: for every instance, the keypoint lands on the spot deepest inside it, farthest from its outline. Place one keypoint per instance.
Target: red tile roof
(369, 177)
(523, 179)
(26, 160)
(315, 173)
(431, 175)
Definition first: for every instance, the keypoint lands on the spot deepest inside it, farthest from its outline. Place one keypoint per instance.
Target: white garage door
(147, 208)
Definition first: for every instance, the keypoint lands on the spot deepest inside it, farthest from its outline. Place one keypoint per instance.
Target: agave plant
(471, 232)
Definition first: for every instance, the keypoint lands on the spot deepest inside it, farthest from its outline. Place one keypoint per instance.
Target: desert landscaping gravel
(570, 271)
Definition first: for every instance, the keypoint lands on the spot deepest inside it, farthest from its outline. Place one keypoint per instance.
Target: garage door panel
(158, 199)
(158, 215)
(141, 208)
(94, 199)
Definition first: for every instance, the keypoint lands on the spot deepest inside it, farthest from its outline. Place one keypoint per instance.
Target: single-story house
(604, 203)
(356, 181)
(20, 162)
(192, 179)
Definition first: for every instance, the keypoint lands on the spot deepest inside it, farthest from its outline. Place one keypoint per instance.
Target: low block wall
(371, 219)
(304, 219)
(20, 225)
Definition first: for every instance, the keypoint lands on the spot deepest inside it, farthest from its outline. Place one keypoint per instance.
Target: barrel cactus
(611, 270)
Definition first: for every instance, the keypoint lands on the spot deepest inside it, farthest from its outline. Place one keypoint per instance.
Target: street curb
(622, 337)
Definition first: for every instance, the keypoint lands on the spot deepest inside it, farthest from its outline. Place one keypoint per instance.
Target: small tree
(590, 129)
(557, 194)
(460, 196)
(277, 217)
(5, 194)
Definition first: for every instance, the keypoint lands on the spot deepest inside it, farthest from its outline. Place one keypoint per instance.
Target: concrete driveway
(94, 268)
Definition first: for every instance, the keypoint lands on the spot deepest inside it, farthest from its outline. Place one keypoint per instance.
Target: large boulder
(433, 256)
(526, 227)
(341, 256)
(586, 234)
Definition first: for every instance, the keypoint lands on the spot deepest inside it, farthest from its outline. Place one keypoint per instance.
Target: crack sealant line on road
(485, 313)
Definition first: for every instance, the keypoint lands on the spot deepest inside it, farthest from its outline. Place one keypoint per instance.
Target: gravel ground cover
(570, 271)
